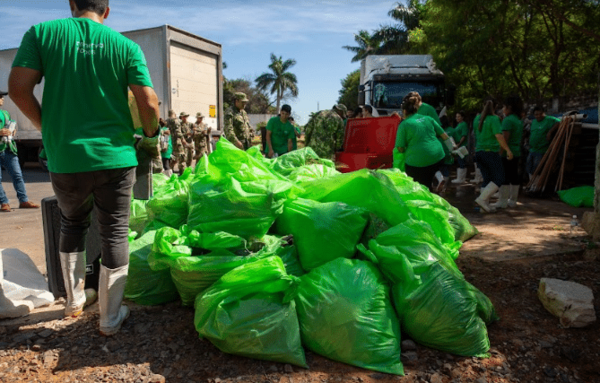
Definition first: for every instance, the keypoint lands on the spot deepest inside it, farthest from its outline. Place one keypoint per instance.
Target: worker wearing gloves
(512, 130)
(489, 141)
(417, 138)
(88, 133)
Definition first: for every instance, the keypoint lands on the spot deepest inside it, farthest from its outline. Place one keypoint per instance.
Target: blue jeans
(11, 162)
(533, 161)
(490, 164)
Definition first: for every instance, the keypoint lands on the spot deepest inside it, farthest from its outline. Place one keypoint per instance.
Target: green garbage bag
(364, 188)
(212, 241)
(247, 209)
(346, 315)
(170, 202)
(311, 172)
(437, 307)
(145, 286)
(322, 231)
(138, 217)
(289, 256)
(579, 196)
(250, 312)
(287, 163)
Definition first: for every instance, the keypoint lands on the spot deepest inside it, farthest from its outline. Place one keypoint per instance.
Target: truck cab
(386, 79)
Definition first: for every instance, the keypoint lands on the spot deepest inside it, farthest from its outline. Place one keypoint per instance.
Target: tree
(258, 101)
(367, 45)
(349, 91)
(395, 38)
(281, 82)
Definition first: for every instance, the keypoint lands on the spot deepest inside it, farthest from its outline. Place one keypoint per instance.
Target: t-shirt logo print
(88, 48)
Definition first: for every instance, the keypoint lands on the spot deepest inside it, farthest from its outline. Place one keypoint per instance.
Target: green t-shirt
(514, 125)
(428, 110)
(281, 133)
(486, 139)
(295, 139)
(169, 151)
(539, 130)
(461, 130)
(418, 136)
(86, 122)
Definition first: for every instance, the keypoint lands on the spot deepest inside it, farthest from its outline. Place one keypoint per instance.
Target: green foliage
(279, 81)
(258, 101)
(349, 91)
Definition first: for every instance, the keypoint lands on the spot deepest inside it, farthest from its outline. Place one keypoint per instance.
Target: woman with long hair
(489, 141)
(512, 130)
(417, 138)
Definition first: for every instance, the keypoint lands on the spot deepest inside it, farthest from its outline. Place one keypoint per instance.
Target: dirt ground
(515, 248)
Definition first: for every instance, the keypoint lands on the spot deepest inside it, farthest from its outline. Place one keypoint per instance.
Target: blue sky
(309, 31)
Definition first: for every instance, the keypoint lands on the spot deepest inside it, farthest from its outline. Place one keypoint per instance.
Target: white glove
(450, 144)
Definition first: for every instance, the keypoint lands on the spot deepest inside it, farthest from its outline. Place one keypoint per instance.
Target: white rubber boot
(110, 296)
(9, 308)
(502, 197)
(461, 175)
(478, 177)
(513, 195)
(484, 198)
(73, 270)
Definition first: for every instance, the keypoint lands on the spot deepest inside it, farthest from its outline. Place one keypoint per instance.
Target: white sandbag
(23, 280)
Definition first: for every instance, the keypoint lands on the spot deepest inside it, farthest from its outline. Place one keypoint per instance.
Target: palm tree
(367, 45)
(279, 80)
(394, 38)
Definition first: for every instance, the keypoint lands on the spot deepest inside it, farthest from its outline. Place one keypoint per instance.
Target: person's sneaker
(28, 205)
(5, 207)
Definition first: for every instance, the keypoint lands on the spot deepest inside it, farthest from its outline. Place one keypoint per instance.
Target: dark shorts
(423, 175)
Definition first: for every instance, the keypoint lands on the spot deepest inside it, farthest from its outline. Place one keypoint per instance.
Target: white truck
(186, 71)
(386, 79)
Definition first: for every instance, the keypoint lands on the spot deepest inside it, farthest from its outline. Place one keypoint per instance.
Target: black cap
(286, 108)
(3, 93)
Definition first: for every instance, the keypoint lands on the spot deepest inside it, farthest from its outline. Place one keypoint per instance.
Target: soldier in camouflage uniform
(187, 129)
(324, 132)
(237, 125)
(178, 142)
(201, 136)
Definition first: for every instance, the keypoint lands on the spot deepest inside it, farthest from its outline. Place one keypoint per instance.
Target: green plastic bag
(145, 286)
(312, 172)
(346, 315)
(322, 231)
(139, 217)
(289, 256)
(169, 203)
(287, 163)
(363, 188)
(250, 312)
(579, 196)
(437, 307)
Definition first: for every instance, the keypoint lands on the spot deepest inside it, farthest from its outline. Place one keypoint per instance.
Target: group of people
(183, 142)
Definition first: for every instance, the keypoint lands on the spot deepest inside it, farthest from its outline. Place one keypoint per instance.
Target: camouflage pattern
(237, 127)
(324, 133)
(187, 129)
(200, 137)
(177, 140)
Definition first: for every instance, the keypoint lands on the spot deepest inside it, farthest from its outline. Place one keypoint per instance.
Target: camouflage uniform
(200, 136)
(187, 128)
(237, 125)
(177, 140)
(324, 133)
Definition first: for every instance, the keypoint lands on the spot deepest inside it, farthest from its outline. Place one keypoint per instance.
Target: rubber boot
(502, 197)
(484, 199)
(513, 195)
(110, 296)
(461, 175)
(9, 308)
(478, 177)
(73, 270)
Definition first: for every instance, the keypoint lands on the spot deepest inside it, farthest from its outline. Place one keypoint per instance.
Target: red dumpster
(368, 143)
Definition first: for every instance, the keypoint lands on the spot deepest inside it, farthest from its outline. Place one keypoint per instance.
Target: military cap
(183, 114)
(341, 107)
(240, 96)
(199, 115)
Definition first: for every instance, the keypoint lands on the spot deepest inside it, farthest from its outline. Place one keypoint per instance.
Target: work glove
(151, 145)
(450, 144)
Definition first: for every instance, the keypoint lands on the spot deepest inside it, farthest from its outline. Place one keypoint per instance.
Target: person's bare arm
(147, 103)
(506, 135)
(290, 145)
(269, 144)
(504, 145)
(21, 83)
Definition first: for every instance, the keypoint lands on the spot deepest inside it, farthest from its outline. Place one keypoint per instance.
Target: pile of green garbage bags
(279, 255)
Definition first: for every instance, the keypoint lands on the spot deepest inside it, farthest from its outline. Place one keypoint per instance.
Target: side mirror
(451, 95)
(361, 96)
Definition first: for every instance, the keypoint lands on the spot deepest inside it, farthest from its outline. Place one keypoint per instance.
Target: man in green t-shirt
(88, 133)
(542, 130)
(280, 133)
(10, 161)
